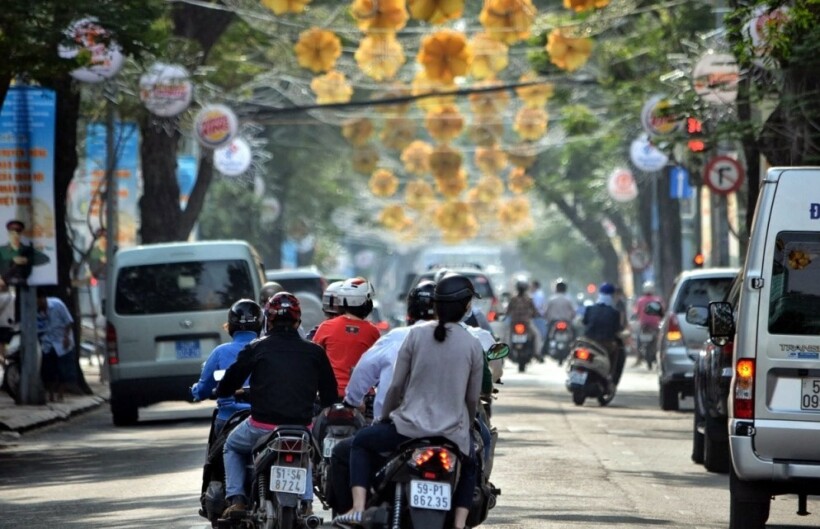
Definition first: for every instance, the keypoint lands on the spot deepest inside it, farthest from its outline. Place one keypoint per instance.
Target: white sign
(621, 186)
(166, 89)
(646, 156)
(715, 78)
(763, 23)
(215, 126)
(270, 211)
(723, 175)
(655, 117)
(106, 59)
(233, 159)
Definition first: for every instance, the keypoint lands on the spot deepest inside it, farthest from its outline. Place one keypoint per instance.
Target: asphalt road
(558, 465)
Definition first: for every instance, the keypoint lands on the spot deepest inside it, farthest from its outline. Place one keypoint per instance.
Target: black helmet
(420, 301)
(245, 315)
(268, 290)
(454, 287)
(560, 285)
(522, 285)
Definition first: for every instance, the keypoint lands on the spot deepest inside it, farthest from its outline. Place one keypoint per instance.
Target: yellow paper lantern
(379, 15)
(445, 162)
(490, 103)
(521, 155)
(317, 49)
(490, 56)
(422, 85)
(568, 53)
(419, 194)
(536, 95)
(331, 88)
(445, 55)
(416, 157)
(519, 181)
(380, 56)
(488, 189)
(531, 123)
(365, 159)
(490, 160)
(444, 124)
(584, 5)
(453, 214)
(393, 217)
(435, 11)
(486, 130)
(383, 183)
(357, 131)
(451, 186)
(397, 133)
(393, 109)
(508, 20)
(281, 7)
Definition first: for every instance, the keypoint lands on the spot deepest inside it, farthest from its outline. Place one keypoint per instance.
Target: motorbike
(559, 338)
(11, 373)
(523, 345)
(332, 425)
(589, 372)
(647, 337)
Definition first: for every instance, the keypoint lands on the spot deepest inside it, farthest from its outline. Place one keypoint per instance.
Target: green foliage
(578, 119)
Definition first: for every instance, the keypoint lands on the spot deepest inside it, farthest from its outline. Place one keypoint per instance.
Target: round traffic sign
(723, 175)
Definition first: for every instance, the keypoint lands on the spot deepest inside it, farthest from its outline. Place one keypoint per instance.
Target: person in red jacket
(347, 337)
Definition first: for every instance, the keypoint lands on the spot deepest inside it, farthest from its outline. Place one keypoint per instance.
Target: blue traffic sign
(679, 183)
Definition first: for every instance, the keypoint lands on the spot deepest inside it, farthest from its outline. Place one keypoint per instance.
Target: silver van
(165, 308)
(774, 399)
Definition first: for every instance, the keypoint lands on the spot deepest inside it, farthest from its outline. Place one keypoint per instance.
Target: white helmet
(330, 297)
(648, 287)
(355, 292)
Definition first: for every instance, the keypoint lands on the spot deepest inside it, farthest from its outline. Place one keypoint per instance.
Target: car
(679, 342)
(713, 375)
(294, 280)
(488, 303)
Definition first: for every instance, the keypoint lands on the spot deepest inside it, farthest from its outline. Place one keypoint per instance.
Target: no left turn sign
(723, 175)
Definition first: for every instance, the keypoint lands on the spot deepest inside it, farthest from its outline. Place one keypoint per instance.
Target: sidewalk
(16, 419)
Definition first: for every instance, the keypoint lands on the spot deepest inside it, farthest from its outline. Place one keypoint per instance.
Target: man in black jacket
(285, 373)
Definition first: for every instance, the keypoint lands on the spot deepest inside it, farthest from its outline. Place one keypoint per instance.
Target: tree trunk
(790, 136)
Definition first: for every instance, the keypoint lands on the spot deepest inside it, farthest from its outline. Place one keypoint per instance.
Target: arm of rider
(366, 373)
(237, 373)
(328, 389)
(206, 384)
(401, 375)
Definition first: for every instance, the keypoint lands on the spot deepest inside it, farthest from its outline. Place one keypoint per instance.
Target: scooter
(589, 372)
(646, 344)
(523, 345)
(560, 337)
(332, 425)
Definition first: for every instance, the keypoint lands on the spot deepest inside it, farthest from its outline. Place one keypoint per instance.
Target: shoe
(349, 520)
(235, 508)
(306, 507)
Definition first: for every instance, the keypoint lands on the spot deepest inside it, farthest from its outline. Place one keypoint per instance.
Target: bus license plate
(288, 479)
(430, 495)
(810, 394)
(187, 349)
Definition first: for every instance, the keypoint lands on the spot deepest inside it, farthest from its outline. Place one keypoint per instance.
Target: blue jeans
(237, 455)
(486, 437)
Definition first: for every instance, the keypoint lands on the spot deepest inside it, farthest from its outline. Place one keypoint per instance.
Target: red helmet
(283, 306)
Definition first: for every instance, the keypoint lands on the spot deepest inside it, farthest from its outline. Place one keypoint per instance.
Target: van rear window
(182, 287)
(794, 298)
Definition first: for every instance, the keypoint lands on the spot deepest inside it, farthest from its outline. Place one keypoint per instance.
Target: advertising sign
(656, 118)
(88, 37)
(621, 186)
(715, 77)
(233, 159)
(765, 22)
(215, 126)
(166, 89)
(646, 156)
(28, 251)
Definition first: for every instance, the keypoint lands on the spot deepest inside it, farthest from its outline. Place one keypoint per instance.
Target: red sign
(723, 175)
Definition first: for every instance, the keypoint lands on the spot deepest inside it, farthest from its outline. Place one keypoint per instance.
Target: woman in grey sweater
(434, 392)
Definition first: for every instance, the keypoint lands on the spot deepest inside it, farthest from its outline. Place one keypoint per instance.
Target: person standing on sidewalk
(55, 328)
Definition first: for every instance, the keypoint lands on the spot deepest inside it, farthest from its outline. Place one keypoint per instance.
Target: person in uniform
(16, 257)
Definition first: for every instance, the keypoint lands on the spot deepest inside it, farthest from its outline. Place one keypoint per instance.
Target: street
(558, 465)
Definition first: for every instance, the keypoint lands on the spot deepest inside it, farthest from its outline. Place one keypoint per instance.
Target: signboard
(27, 121)
(679, 187)
(215, 126)
(646, 156)
(765, 22)
(639, 258)
(723, 175)
(621, 186)
(234, 158)
(656, 118)
(166, 89)
(187, 168)
(106, 58)
(715, 77)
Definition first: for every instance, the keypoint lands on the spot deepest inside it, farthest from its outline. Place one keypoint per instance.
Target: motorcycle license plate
(288, 479)
(646, 337)
(430, 495)
(578, 377)
(560, 336)
(519, 338)
(327, 446)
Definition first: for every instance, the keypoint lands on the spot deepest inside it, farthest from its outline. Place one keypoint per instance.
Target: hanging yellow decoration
(521, 155)
(531, 123)
(568, 53)
(490, 56)
(536, 95)
(379, 15)
(398, 133)
(488, 189)
(445, 162)
(357, 131)
(490, 160)
(365, 159)
(584, 5)
(435, 11)
(456, 220)
(281, 7)
(331, 88)
(383, 183)
(419, 195)
(491, 103)
(519, 181)
(393, 217)
(513, 211)
(380, 56)
(393, 109)
(423, 85)
(486, 130)
(445, 55)
(317, 49)
(444, 124)
(451, 186)
(508, 20)
(416, 157)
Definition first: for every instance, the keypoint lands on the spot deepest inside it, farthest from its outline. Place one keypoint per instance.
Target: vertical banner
(186, 177)
(28, 246)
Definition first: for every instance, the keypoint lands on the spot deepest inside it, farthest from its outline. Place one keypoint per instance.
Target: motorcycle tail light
(744, 385)
(433, 460)
(561, 326)
(520, 328)
(111, 345)
(583, 354)
(288, 458)
(339, 414)
(673, 333)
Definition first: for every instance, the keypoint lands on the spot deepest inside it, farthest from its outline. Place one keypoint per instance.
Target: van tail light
(520, 328)
(111, 345)
(673, 333)
(744, 389)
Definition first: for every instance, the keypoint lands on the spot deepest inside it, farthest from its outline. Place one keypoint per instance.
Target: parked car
(679, 342)
(713, 375)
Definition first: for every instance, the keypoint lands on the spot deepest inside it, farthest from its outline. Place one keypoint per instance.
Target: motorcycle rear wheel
(578, 397)
(11, 381)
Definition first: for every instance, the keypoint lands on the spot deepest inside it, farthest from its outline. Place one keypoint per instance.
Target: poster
(28, 243)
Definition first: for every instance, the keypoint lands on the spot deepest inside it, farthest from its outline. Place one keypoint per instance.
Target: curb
(24, 418)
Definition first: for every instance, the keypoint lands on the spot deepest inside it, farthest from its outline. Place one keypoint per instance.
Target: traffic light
(698, 260)
(694, 128)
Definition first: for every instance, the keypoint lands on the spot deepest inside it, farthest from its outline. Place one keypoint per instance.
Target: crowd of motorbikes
(413, 488)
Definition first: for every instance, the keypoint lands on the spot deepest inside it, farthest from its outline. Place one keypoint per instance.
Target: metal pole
(656, 236)
(111, 192)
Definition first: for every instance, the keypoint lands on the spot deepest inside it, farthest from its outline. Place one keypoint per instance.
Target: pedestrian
(55, 329)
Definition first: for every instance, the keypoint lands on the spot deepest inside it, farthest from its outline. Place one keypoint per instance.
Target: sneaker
(349, 520)
(235, 508)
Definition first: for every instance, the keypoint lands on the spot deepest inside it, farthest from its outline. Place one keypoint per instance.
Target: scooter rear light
(432, 460)
(520, 328)
(673, 333)
(288, 458)
(744, 401)
(111, 345)
(583, 354)
(561, 326)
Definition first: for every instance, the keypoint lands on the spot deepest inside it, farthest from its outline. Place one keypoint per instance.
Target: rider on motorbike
(559, 306)
(244, 325)
(602, 323)
(330, 305)
(521, 309)
(648, 323)
(285, 373)
(434, 392)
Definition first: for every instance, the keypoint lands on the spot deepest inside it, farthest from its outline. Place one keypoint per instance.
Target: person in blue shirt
(244, 325)
(55, 330)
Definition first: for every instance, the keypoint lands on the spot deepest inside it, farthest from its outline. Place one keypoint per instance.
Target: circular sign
(646, 156)
(234, 158)
(104, 57)
(723, 175)
(639, 258)
(621, 186)
(215, 126)
(166, 89)
(715, 78)
(765, 22)
(270, 211)
(656, 118)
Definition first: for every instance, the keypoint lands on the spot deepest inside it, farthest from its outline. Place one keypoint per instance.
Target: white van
(774, 399)
(165, 308)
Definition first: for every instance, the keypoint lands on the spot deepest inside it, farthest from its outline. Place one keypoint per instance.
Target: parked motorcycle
(332, 425)
(11, 373)
(560, 337)
(523, 345)
(589, 372)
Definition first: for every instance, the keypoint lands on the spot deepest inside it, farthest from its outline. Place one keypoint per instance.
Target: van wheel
(697, 438)
(749, 504)
(715, 452)
(669, 398)
(123, 414)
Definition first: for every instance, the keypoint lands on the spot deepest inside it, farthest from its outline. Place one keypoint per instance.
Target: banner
(29, 249)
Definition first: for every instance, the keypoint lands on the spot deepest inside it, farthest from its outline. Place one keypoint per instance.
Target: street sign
(723, 175)
(639, 258)
(679, 183)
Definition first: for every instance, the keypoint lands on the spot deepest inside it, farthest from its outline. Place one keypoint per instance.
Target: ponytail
(448, 312)
(440, 332)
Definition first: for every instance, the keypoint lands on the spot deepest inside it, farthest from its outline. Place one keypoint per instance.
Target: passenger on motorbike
(559, 306)
(285, 371)
(476, 316)
(521, 309)
(602, 323)
(434, 392)
(647, 323)
(346, 338)
(244, 325)
(331, 305)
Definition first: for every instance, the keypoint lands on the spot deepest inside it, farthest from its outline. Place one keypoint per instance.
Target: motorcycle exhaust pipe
(313, 521)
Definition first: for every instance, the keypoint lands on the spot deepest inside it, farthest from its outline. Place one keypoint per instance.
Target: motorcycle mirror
(697, 315)
(497, 351)
(653, 308)
(219, 374)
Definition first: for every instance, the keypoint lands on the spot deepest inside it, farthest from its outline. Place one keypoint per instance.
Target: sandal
(349, 520)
